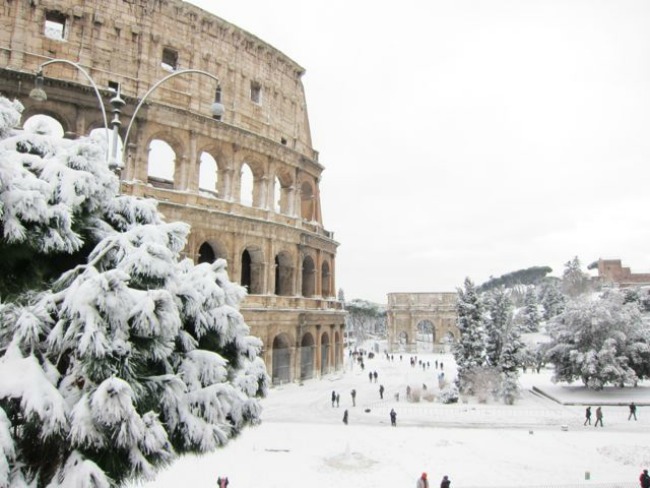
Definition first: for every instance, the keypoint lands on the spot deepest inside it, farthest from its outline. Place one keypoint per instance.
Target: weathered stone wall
(612, 271)
(284, 256)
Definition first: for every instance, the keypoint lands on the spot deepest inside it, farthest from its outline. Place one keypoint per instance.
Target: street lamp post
(117, 103)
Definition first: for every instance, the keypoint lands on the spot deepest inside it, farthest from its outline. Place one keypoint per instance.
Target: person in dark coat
(587, 416)
(353, 393)
(393, 417)
(446, 482)
(599, 417)
(632, 411)
(345, 417)
(381, 392)
(333, 397)
(338, 399)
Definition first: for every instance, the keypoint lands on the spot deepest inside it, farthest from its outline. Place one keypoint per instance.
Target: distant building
(421, 318)
(612, 271)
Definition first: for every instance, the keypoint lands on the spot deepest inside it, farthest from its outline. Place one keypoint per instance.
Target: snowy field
(302, 440)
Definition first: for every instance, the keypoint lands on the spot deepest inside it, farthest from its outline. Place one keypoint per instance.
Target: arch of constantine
(427, 320)
(270, 229)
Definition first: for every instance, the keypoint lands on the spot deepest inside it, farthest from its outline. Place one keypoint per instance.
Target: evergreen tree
(497, 321)
(124, 355)
(575, 281)
(600, 342)
(469, 351)
(552, 299)
(532, 315)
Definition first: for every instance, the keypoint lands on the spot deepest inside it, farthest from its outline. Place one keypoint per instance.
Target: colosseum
(246, 176)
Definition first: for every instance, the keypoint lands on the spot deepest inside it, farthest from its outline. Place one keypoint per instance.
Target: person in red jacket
(644, 479)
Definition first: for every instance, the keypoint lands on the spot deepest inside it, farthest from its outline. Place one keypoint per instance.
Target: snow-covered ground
(302, 440)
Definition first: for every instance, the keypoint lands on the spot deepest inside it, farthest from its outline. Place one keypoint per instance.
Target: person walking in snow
(423, 482)
(333, 397)
(393, 417)
(381, 392)
(375, 375)
(599, 417)
(345, 417)
(587, 416)
(353, 393)
(446, 482)
(222, 482)
(338, 399)
(370, 376)
(632, 411)
(644, 479)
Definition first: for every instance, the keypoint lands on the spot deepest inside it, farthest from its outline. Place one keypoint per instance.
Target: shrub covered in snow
(116, 354)
(449, 394)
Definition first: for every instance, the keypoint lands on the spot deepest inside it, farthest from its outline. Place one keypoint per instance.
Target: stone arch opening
(307, 348)
(246, 185)
(307, 201)
(308, 277)
(252, 263)
(284, 191)
(161, 164)
(324, 353)
(283, 274)
(281, 360)
(326, 280)
(206, 253)
(44, 124)
(208, 175)
(425, 334)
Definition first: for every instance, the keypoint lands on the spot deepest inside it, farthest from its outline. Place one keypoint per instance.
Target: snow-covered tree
(469, 351)
(497, 322)
(117, 355)
(552, 299)
(531, 313)
(575, 281)
(600, 341)
(363, 318)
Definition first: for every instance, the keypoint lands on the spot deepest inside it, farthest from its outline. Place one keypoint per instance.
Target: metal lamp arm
(144, 98)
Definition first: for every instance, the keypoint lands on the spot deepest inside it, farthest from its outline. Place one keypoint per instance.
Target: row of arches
(312, 357)
(289, 277)
(233, 175)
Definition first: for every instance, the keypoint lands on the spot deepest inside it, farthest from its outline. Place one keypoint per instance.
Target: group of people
(423, 482)
(599, 415)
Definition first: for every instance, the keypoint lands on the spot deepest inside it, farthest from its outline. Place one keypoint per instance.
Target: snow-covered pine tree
(497, 321)
(133, 355)
(469, 351)
(599, 341)
(552, 299)
(531, 314)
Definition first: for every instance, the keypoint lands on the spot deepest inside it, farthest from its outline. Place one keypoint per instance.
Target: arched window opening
(283, 275)
(208, 175)
(326, 284)
(161, 164)
(44, 125)
(324, 353)
(308, 277)
(246, 270)
(277, 195)
(307, 348)
(426, 335)
(281, 360)
(307, 201)
(206, 253)
(247, 184)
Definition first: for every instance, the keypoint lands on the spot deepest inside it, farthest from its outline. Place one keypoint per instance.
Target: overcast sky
(470, 138)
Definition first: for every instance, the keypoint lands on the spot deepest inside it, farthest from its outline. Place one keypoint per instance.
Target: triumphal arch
(421, 321)
(246, 176)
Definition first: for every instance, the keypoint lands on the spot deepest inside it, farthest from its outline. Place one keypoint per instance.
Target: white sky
(302, 441)
(470, 138)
